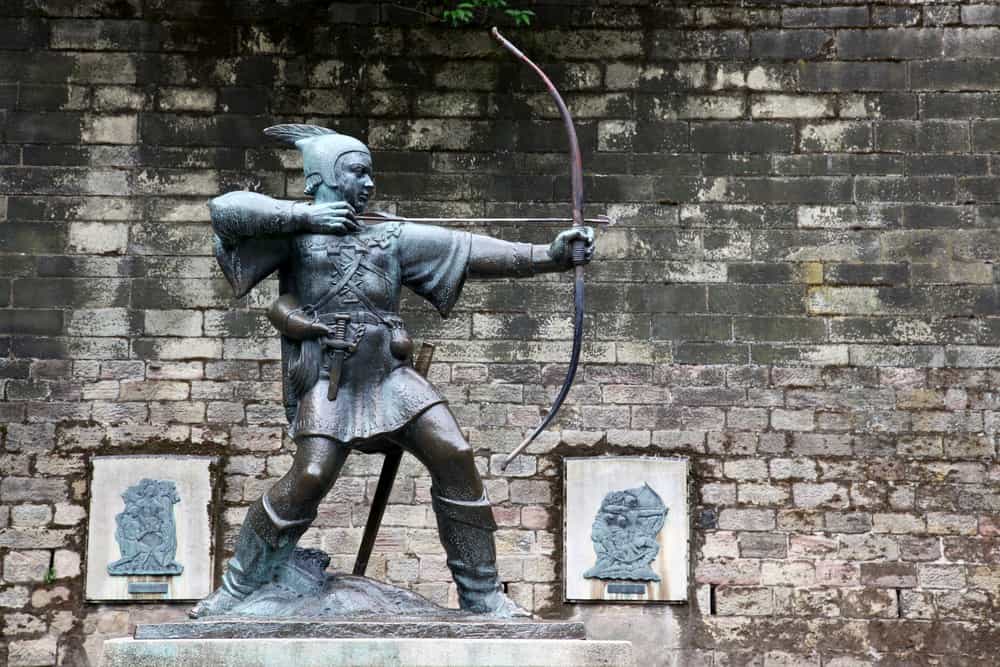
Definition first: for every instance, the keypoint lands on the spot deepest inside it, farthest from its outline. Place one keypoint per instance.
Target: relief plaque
(149, 531)
(146, 531)
(626, 529)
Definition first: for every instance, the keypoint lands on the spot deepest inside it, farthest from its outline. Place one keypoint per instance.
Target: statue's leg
(317, 465)
(275, 522)
(464, 516)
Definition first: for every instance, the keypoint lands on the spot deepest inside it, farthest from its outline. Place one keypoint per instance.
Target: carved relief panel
(149, 533)
(626, 529)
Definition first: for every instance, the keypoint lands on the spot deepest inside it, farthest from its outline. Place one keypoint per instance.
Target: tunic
(378, 393)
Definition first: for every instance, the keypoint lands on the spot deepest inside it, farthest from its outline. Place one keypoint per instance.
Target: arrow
(602, 220)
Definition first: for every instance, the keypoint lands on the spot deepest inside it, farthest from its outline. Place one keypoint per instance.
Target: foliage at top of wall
(469, 11)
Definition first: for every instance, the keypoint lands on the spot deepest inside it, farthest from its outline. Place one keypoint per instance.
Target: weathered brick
(837, 76)
(748, 519)
(899, 16)
(793, 420)
(818, 17)
(742, 137)
(898, 523)
(790, 44)
(791, 106)
(927, 136)
(980, 14)
(939, 75)
(26, 653)
(788, 573)
(14, 489)
(728, 571)
(893, 44)
(700, 45)
(26, 566)
(30, 515)
(888, 575)
(744, 601)
(869, 603)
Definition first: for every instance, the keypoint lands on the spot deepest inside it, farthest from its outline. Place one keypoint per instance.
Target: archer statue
(349, 382)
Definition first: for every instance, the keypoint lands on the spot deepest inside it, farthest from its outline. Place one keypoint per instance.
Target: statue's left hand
(561, 249)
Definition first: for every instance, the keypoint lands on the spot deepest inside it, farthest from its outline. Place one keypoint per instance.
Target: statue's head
(337, 167)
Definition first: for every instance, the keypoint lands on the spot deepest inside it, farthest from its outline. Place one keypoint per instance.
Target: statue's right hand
(335, 218)
(318, 330)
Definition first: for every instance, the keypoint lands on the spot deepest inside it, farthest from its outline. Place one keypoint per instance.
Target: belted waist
(362, 317)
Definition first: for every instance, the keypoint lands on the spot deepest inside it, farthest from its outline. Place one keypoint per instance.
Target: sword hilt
(340, 326)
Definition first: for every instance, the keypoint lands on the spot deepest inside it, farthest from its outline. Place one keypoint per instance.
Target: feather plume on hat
(291, 133)
(321, 147)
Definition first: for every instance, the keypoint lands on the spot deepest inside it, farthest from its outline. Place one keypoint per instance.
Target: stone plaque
(149, 534)
(626, 529)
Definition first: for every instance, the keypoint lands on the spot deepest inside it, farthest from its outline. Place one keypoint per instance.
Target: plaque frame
(195, 480)
(675, 535)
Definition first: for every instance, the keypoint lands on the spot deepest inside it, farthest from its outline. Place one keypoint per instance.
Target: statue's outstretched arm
(493, 258)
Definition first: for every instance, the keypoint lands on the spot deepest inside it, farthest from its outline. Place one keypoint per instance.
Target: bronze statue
(349, 382)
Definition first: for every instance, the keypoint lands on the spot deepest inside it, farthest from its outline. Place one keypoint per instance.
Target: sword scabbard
(337, 347)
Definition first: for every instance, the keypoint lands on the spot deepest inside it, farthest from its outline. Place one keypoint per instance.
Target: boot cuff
(475, 513)
(265, 522)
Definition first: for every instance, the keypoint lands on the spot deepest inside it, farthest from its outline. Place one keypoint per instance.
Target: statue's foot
(498, 605)
(219, 602)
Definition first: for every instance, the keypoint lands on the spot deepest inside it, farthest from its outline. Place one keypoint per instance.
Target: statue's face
(354, 179)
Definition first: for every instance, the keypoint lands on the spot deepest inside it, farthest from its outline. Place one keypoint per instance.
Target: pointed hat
(320, 147)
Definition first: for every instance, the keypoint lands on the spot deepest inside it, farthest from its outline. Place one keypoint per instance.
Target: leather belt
(361, 317)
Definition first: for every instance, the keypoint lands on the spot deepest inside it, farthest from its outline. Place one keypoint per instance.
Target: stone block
(744, 601)
(26, 566)
(32, 653)
(30, 515)
(788, 573)
(888, 575)
(331, 652)
(747, 519)
(790, 44)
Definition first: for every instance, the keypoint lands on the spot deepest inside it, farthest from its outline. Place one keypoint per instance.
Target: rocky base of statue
(306, 601)
(304, 589)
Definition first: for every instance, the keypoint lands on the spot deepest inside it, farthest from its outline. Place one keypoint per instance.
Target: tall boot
(265, 543)
(466, 528)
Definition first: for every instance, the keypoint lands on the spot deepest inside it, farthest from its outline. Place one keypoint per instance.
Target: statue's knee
(313, 482)
(456, 454)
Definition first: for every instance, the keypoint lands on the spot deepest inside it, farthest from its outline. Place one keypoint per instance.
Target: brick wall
(800, 296)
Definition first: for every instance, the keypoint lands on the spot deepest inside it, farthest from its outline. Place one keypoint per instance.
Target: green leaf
(520, 16)
(468, 11)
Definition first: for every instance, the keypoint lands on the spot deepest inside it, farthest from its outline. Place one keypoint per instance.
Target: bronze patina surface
(348, 375)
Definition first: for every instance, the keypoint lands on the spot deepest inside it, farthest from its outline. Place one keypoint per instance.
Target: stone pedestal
(312, 618)
(370, 652)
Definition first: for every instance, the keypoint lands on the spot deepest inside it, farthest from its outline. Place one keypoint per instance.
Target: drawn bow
(392, 459)
(579, 248)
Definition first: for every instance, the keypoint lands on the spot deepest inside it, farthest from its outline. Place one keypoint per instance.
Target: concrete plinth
(369, 652)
